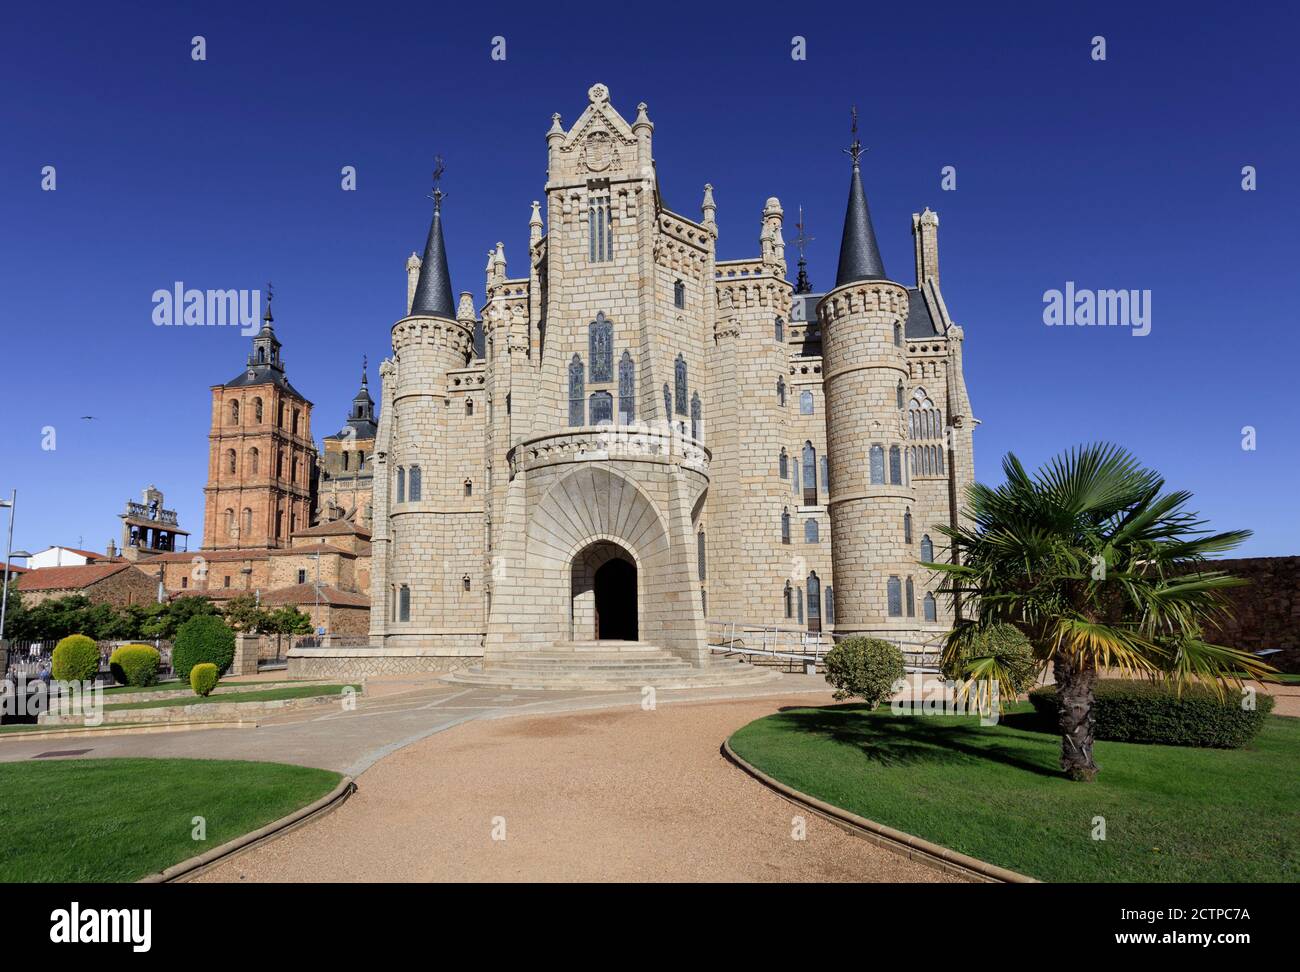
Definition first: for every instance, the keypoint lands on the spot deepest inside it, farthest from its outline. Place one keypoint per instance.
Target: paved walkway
(616, 794)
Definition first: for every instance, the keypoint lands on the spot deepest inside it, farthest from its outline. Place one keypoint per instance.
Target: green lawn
(996, 793)
(176, 685)
(92, 820)
(261, 695)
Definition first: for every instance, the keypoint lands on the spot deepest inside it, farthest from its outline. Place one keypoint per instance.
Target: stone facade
(116, 583)
(1264, 614)
(652, 441)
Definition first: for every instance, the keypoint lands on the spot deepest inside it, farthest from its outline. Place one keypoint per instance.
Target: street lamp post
(9, 555)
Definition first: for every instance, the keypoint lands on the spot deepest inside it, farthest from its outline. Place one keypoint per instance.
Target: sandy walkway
(613, 795)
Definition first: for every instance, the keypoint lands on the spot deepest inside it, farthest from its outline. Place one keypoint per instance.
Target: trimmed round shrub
(203, 678)
(864, 668)
(134, 665)
(203, 638)
(1128, 710)
(1009, 646)
(75, 659)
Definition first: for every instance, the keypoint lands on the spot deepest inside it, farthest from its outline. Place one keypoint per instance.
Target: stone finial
(535, 223)
(465, 312)
(413, 262)
(556, 127)
(598, 94)
(929, 217)
(642, 119)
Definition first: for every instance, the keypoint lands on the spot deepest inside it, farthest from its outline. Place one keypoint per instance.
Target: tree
(168, 619)
(1100, 569)
(286, 620)
(243, 613)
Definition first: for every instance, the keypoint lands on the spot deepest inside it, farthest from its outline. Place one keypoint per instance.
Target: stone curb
(915, 848)
(202, 862)
(122, 729)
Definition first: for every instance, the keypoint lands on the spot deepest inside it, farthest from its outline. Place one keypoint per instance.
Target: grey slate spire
(433, 287)
(859, 252)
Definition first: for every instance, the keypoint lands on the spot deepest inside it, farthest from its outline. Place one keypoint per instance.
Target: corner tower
(865, 373)
(423, 521)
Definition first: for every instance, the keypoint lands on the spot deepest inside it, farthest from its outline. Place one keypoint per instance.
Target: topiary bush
(75, 659)
(135, 665)
(1127, 710)
(1006, 643)
(204, 638)
(864, 668)
(203, 678)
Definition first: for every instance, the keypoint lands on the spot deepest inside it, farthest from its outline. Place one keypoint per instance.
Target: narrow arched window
(898, 335)
(911, 599)
(877, 465)
(600, 245)
(414, 483)
(679, 378)
(248, 522)
(577, 390)
(346, 458)
(469, 406)
(626, 389)
(231, 463)
(798, 604)
(295, 421)
(602, 408)
(401, 484)
(805, 403)
(783, 463)
(699, 555)
(679, 294)
(403, 603)
(279, 464)
(787, 596)
(907, 527)
(257, 410)
(927, 550)
(826, 476)
(794, 480)
(293, 470)
(895, 590)
(695, 415)
(600, 348)
(895, 466)
(938, 460)
(469, 487)
(234, 413)
(780, 392)
(931, 609)
(814, 602)
(779, 331)
(809, 474)
(230, 522)
(810, 532)
(668, 403)
(898, 395)
(830, 604)
(785, 525)
(507, 403)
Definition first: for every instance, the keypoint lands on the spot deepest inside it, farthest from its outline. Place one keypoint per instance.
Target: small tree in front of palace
(285, 620)
(864, 668)
(244, 614)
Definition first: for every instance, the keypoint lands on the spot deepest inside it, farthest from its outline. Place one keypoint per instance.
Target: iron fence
(799, 646)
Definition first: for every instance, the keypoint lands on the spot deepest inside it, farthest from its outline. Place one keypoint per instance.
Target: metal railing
(30, 657)
(799, 645)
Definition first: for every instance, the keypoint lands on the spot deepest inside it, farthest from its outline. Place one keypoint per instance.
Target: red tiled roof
(301, 595)
(68, 578)
(334, 528)
(325, 548)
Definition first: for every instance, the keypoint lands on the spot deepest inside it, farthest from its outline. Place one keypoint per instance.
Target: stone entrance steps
(607, 666)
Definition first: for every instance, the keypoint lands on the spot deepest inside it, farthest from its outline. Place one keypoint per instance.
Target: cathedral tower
(261, 457)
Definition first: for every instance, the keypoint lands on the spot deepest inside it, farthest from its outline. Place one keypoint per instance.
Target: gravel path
(611, 795)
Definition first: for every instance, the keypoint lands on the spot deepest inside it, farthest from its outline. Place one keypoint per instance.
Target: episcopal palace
(628, 442)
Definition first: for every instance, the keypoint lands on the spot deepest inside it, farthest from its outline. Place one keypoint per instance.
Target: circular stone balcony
(633, 443)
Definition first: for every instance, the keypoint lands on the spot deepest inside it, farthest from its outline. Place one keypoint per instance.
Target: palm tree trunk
(1074, 688)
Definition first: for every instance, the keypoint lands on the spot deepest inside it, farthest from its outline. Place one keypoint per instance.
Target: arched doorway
(604, 593)
(615, 584)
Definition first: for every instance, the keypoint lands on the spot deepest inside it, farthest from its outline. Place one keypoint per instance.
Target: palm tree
(1101, 570)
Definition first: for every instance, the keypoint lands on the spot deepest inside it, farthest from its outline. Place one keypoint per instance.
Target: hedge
(205, 638)
(75, 659)
(135, 665)
(203, 678)
(1126, 710)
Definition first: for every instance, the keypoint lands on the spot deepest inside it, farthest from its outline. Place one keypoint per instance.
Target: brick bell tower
(261, 456)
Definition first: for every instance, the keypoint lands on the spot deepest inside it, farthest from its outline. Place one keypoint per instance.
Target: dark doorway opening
(615, 584)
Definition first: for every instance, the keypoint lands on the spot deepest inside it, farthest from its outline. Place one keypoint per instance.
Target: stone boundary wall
(1266, 612)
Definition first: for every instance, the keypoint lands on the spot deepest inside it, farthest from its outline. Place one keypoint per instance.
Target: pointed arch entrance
(604, 589)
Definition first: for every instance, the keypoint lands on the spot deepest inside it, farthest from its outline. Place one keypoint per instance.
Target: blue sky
(224, 173)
